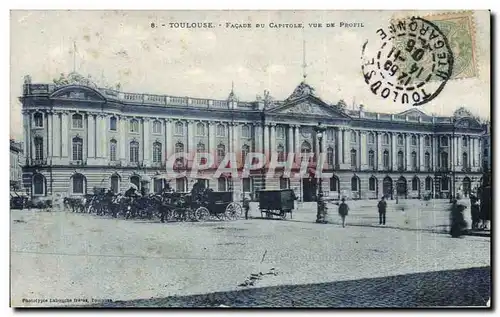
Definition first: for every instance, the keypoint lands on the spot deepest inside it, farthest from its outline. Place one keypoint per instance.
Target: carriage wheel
(282, 215)
(233, 211)
(202, 214)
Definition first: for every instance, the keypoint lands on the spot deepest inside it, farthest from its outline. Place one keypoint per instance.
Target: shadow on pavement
(465, 287)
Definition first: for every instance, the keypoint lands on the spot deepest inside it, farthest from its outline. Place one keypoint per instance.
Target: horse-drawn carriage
(276, 203)
(203, 206)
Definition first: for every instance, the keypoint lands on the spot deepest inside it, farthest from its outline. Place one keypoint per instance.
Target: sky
(122, 47)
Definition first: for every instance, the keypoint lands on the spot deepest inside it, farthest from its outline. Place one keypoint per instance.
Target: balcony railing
(78, 162)
(39, 162)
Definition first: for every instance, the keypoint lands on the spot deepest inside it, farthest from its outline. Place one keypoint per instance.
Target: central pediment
(80, 93)
(309, 106)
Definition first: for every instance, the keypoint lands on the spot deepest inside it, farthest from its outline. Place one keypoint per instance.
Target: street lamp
(321, 208)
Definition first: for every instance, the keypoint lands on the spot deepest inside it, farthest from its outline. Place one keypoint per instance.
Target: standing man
(246, 205)
(382, 208)
(343, 211)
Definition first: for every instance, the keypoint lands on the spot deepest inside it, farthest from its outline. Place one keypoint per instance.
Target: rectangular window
(284, 183)
(77, 121)
(112, 124)
(247, 185)
(158, 185)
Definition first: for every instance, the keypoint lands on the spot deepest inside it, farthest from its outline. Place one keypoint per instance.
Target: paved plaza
(250, 263)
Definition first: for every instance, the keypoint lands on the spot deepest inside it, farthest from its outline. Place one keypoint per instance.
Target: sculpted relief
(306, 108)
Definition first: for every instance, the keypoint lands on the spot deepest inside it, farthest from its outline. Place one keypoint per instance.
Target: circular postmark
(410, 63)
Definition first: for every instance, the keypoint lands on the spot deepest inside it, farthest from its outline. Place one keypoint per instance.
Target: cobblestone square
(61, 255)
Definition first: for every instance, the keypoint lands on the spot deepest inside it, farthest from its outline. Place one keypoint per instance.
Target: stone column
(169, 142)
(266, 141)
(273, 139)
(421, 151)
(380, 163)
(394, 161)
(146, 130)
(122, 143)
(211, 137)
(451, 151)
(27, 134)
(347, 149)
(190, 137)
(297, 141)
(363, 150)
(469, 152)
(103, 136)
(408, 152)
(340, 145)
(64, 134)
(434, 161)
(477, 152)
(290, 140)
(50, 140)
(236, 138)
(91, 136)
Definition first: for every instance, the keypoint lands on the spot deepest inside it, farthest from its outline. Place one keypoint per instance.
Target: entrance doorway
(309, 189)
(387, 187)
(401, 187)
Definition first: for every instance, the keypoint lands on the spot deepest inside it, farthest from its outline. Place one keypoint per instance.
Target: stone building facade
(16, 162)
(78, 136)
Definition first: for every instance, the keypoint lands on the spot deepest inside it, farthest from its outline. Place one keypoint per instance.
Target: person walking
(343, 211)
(246, 205)
(382, 209)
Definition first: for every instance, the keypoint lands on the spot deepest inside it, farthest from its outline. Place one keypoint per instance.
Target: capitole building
(78, 136)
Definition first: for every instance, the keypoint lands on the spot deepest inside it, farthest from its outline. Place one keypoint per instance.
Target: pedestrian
(382, 208)
(246, 205)
(457, 222)
(343, 211)
(475, 211)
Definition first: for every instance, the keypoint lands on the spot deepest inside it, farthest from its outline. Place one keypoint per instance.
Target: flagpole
(74, 56)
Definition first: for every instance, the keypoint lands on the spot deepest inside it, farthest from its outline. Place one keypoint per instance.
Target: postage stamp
(413, 62)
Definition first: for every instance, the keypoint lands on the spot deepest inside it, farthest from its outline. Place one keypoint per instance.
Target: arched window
(79, 184)
(281, 153)
(428, 183)
(371, 159)
(221, 152)
(465, 160)
(38, 185)
(38, 148)
(414, 160)
(112, 150)
(222, 184)
(413, 140)
(77, 149)
(386, 139)
(427, 160)
(371, 138)
(444, 141)
(77, 121)
(221, 130)
(156, 152)
(156, 127)
(136, 180)
(179, 147)
(354, 158)
(134, 126)
(38, 118)
(427, 140)
(353, 137)
(134, 152)
(245, 132)
(444, 159)
(464, 141)
(179, 128)
(401, 160)
(244, 152)
(200, 129)
(334, 184)
(415, 184)
(305, 148)
(115, 184)
(372, 184)
(280, 132)
(284, 183)
(329, 156)
(112, 123)
(401, 140)
(386, 159)
(354, 184)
